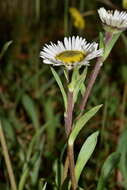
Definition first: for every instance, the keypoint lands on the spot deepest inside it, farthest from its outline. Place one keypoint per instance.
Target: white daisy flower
(73, 51)
(114, 21)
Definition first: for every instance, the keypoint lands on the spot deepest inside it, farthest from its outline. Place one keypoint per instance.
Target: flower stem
(94, 74)
(72, 166)
(7, 159)
(91, 82)
(68, 128)
(68, 116)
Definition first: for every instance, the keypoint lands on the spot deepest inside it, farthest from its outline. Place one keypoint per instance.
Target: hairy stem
(72, 167)
(68, 128)
(66, 166)
(68, 114)
(93, 76)
(91, 82)
(7, 159)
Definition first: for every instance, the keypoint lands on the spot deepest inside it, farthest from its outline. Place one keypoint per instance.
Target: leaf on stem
(81, 122)
(110, 45)
(56, 76)
(85, 153)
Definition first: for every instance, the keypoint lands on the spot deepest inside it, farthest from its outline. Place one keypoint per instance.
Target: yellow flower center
(71, 56)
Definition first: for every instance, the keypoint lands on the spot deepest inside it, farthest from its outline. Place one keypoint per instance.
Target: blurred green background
(30, 100)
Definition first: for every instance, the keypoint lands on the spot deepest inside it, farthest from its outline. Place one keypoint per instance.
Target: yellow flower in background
(124, 4)
(79, 21)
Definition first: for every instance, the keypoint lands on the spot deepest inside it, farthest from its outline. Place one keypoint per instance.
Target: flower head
(70, 53)
(114, 21)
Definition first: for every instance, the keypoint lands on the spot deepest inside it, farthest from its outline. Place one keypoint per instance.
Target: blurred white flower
(115, 20)
(70, 53)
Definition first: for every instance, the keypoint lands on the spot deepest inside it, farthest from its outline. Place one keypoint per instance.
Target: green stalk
(110, 40)
(23, 179)
(7, 159)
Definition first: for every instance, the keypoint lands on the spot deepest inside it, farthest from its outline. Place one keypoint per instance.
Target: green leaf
(31, 110)
(85, 153)
(53, 123)
(9, 130)
(65, 185)
(32, 161)
(56, 76)
(44, 187)
(110, 163)
(81, 122)
(122, 149)
(83, 89)
(110, 45)
(42, 184)
(58, 170)
(4, 49)
(23, 178)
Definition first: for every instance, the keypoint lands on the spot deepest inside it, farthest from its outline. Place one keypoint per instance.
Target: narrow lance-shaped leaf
(30, 107)
(122, 149)
(110, 164)
(81, 122)
(42, 184)
(110, 45)
(60, 86)
(44, 187)
(85, 153)
(4, 49)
